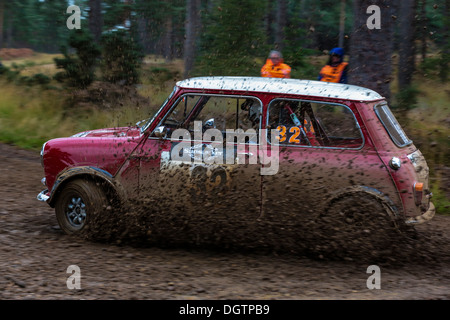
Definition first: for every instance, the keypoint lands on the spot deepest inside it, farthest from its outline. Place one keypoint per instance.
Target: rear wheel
(356, 224)
(78, 203)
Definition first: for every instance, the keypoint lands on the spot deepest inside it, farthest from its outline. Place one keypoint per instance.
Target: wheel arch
(113, 189)
(375, 193)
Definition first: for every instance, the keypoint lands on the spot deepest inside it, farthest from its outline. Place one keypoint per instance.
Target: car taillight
(418, 192)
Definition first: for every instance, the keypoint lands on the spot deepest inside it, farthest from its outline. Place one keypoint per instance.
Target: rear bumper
(427, 216)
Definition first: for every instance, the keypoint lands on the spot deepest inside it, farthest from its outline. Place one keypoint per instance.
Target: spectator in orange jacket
(336, 69)
(274, 67)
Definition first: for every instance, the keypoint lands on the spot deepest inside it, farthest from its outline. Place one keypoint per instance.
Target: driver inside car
(251, 114)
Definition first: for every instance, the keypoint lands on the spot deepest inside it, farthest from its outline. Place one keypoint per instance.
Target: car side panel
(309, 177)
(107, 154)
(198, 191)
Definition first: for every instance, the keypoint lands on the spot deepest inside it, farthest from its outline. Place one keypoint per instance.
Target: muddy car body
(245, 151)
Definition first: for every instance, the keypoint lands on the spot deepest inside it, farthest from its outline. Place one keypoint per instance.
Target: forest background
(125, 58)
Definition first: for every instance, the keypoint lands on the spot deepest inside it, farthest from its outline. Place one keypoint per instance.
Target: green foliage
(79, 67)
(40, 25)
(116, 12)
(308, 71)
(406, 99)
(233, 39)
(160, 75)
(151, 19)
(8, 73)
(12, 74)
(437, 21)
(292, 51)
(436, 67)
(319, 22)
(444, 62)
(50, 24)
(36, 79)
(121, 58)
(438, 26)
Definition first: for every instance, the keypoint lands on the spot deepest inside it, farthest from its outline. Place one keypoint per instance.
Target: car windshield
(391, 125)
(147, 123)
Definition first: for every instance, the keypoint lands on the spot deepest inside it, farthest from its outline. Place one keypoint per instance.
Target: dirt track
(35, 255)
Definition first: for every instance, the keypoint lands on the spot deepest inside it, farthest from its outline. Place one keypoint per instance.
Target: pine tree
(121, 58)
(233, 39)
(78, 68)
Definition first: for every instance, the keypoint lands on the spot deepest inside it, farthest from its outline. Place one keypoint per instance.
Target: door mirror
(160, 132)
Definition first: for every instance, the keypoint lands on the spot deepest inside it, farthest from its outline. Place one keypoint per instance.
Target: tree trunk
(423, 31)
(143, 33)
(312, 22)
(342, 24)
(168, 39)
(268, 21)
(406, 43)
(2, 10)
(9, 30)
(95, 19)
(371, 49)
(191, 26)
(281, 19)
(445, 56)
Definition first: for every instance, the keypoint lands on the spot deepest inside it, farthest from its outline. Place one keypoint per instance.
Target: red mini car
(248, 151)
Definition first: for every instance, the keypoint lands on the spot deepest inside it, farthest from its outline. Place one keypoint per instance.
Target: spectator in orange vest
(274, 67)
(336, 69)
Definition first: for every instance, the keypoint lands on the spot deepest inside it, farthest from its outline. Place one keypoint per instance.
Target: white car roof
(283, 86)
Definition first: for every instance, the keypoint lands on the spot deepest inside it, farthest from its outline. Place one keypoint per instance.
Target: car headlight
(395, 163)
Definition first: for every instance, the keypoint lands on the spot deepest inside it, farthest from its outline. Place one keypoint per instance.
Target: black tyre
(77, 205)
(357, 224)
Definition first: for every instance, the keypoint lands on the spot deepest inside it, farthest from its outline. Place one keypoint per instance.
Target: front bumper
(427, 216)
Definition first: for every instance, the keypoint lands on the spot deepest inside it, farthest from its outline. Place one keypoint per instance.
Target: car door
(198, 172)
(329, 155)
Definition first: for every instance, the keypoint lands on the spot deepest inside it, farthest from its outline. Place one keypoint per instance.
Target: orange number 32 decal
(282, 131)
(293, 138)
(296, 132)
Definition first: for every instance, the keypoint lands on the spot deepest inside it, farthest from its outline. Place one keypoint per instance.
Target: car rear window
(391, 125)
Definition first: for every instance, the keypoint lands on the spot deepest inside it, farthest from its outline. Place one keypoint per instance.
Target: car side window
(285, 117)
(223, 113)
(339, 124)
(178, 117)
(316, 124)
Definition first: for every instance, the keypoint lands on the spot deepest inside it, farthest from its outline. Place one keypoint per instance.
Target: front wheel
(78, 203)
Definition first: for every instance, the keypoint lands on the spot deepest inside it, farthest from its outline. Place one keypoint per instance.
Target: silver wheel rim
(76, 212)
